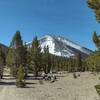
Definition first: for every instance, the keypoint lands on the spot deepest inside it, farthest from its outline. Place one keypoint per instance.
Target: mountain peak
(60, 46)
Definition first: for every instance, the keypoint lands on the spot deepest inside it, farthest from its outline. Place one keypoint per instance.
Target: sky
(71, 19)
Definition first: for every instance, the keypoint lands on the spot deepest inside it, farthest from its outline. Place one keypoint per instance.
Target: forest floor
(65, 88)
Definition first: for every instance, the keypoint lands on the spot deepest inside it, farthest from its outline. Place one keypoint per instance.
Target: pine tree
(16, 41)
(93, 62)
(95, 5)
(2, 62)
(47, 60)
(10, 61)
(17, 46)
(20, 81)
(36, 56)
(29, 61)
(79, 62)
(53, 64)
(25, 59)
(16, 53)
(96, 40)
(69, 65)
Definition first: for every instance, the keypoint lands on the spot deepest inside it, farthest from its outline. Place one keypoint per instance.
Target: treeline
(76, 64)
(33, 60)
(23, 60)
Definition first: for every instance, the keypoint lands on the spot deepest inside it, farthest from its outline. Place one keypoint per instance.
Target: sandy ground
(65, 88)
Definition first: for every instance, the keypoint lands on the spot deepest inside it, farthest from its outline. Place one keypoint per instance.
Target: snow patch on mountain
(74, 45)
(60, 46)
(48, 42)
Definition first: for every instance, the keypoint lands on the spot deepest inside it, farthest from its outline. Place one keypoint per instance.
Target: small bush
(98, 89)
(74, 75)
(41, 82)
(78, 75)
(20, 82)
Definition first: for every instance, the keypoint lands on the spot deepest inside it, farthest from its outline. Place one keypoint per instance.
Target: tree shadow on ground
(34, 78)
(28, 87)
(6, 75)
(7, 83)
(30, 83)
(10, 78)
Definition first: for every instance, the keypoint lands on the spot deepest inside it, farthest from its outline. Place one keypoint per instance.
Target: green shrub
(74, 75)
(99, 78)
(98, 89)
(20, 81)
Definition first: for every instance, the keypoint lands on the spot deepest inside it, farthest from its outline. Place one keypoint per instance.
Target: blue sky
(71, 19)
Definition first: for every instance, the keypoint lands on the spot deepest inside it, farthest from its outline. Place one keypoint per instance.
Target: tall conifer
(36, 56)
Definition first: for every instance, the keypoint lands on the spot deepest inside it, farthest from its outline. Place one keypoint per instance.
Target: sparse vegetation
(20, 81)
(98, 89)
(74, 75)
(26, 66)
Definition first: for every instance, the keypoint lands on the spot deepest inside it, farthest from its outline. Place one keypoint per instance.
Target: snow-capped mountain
(62, 47)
